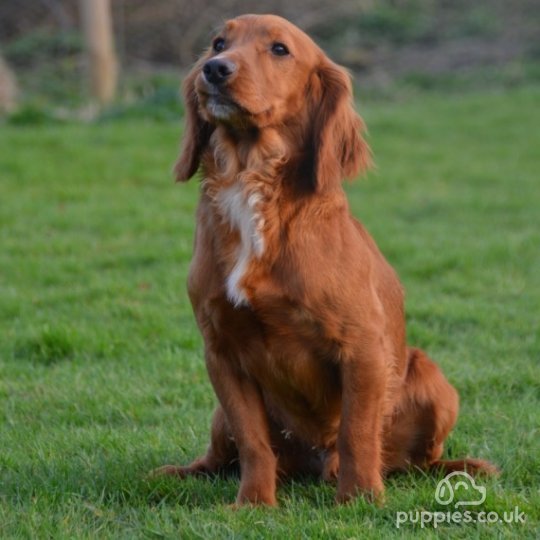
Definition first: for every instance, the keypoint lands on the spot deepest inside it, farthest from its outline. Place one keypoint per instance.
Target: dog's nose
(218, 70)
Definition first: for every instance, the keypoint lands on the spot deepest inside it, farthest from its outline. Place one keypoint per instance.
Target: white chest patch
(241, 213)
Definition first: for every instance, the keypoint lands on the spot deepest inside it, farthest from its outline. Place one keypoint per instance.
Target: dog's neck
(252, 194)
(251, 150)
(242, 178)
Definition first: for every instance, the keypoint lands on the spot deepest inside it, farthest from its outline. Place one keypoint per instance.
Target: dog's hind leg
(425, 414)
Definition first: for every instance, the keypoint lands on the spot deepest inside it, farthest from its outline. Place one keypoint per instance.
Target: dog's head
(262, 71)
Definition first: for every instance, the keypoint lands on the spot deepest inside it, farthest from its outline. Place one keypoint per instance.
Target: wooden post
(8, 88)
(98, 33)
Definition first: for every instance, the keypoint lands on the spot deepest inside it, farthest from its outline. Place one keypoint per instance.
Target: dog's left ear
(196, 132)
(336, 149)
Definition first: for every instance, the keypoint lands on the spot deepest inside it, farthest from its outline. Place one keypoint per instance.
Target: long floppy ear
(335, 147)
(196, 133)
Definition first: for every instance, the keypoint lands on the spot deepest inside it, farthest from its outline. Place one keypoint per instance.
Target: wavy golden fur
(302, 317)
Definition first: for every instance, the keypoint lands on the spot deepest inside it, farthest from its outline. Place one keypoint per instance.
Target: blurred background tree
(388, 44)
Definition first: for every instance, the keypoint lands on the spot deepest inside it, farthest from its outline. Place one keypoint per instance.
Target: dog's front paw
(255, 496)
(372, 490)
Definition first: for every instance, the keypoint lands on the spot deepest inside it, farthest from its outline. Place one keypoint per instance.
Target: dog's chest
(240, 211)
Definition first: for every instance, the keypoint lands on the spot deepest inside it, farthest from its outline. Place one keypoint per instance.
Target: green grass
(101, 370)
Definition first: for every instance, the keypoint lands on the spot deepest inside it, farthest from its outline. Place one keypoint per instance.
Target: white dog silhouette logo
(446, 490)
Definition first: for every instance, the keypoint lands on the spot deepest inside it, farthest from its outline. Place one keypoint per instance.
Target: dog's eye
(279, 49)
(219, 44)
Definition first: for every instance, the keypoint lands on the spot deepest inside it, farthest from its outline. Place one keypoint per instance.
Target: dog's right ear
(196, 132)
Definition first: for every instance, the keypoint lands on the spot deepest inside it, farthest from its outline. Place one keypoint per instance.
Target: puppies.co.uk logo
(464, 483)
(462, 490)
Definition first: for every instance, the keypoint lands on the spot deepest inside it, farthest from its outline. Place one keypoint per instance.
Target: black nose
(217, 71)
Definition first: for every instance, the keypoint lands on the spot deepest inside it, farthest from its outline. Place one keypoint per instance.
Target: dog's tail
(472, 466)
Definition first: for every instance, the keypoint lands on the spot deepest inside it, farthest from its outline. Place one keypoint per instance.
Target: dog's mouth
(218, 103)
(220, 106)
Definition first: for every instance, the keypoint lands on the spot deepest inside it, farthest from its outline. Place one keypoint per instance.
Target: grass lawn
(101, 369)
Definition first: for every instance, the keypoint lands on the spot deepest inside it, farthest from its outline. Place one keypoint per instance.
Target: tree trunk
(8, 88)
(98, 32)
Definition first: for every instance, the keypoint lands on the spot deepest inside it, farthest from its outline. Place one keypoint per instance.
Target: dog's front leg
(363, 379)
(243, 405)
